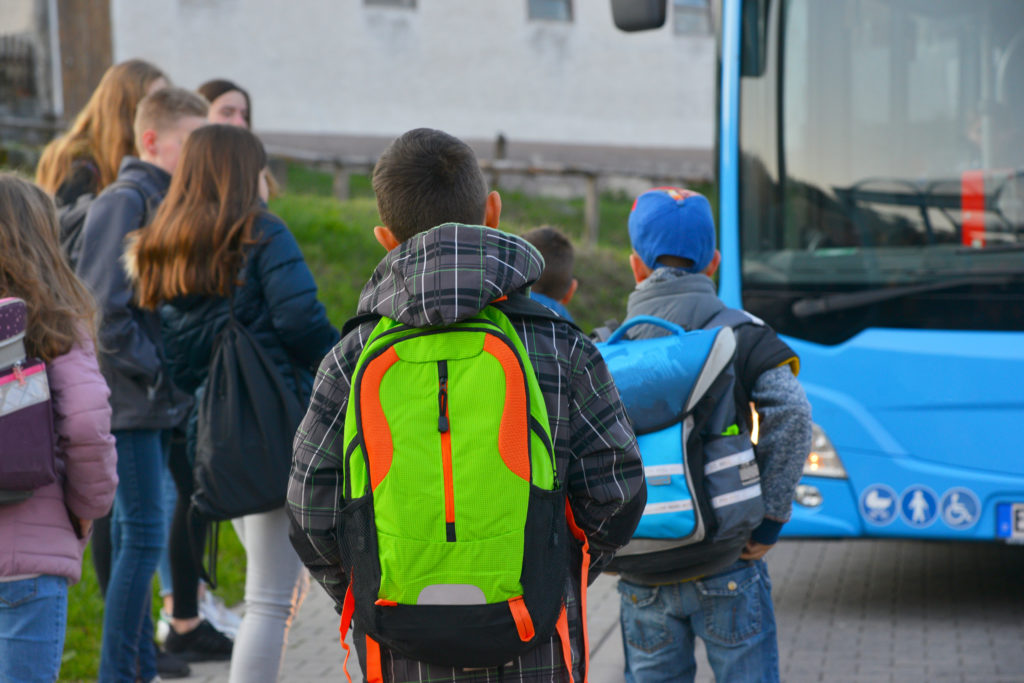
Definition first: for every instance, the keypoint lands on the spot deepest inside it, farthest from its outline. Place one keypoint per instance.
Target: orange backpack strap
(562, 628)
(584, 582)
(373, 667)
(347, 608)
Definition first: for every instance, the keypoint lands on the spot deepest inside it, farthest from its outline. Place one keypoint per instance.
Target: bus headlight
(808, 496)
(823, 461)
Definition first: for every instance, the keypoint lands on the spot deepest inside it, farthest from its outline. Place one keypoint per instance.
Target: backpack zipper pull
(442, 396)
(19, 373)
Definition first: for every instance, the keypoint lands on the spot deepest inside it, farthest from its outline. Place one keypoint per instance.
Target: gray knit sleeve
(784, 438)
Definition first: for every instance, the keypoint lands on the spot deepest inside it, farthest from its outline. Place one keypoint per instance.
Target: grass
(85, 607)
(337, 240)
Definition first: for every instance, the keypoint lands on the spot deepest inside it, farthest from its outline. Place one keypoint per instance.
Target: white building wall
(471, 67)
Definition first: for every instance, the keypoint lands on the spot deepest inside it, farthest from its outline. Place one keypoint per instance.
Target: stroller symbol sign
(878, 504)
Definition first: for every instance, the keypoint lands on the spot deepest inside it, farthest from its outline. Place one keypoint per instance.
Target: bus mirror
(754, 46)
(638, 15)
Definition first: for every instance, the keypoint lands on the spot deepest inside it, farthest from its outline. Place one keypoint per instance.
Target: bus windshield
(882, 167)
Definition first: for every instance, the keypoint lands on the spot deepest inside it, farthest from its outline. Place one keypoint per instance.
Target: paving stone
(861, 611)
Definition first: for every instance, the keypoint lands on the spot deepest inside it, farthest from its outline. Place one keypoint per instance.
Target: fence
(343, 167)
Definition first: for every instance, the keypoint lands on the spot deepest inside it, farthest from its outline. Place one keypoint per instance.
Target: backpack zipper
(444, 427)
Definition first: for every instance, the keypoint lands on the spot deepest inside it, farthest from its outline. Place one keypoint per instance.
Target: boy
(437, 276)
(556, 285)
(143, 400)
(674, 256)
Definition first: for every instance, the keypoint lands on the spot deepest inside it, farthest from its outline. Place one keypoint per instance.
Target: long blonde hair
(196, 243)
(33, 268)
(102, 131)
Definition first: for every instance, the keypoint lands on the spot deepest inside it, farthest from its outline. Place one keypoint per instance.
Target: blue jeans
(730, 611)
(163, 569)
(138, 536)
(33, 618)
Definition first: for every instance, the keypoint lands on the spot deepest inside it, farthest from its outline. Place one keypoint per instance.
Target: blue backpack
(703, 480)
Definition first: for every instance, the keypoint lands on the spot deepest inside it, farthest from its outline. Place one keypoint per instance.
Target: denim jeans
(138, 536)
(33, 618)
(731, 612)
(163, 568)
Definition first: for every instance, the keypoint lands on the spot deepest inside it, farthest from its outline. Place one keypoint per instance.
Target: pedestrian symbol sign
(919, 506)
(960, 508)
(878, 504)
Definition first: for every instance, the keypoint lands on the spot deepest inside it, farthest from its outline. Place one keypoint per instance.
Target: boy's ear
(386, 238)
(147, 144)
(492, 210)
(568, 295)
(640, 270)
(713, 264)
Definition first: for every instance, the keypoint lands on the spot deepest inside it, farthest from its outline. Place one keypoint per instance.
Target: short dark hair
(425, 178)
(555, 247)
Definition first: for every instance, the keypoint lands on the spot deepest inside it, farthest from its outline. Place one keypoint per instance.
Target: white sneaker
(220, 616)
(163, 627)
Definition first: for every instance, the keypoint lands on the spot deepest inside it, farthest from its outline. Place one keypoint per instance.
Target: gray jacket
(131, 353)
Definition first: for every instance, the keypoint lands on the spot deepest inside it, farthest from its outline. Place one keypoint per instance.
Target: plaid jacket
(439, 277)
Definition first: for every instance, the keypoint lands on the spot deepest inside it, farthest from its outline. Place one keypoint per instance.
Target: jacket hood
(685, 298)
(448, 274)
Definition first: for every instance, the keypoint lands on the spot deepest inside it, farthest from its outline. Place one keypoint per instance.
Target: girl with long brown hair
(42, 538)
(87, 157)
(213, 245)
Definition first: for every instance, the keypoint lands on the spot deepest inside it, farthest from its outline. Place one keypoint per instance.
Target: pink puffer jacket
(36, 536)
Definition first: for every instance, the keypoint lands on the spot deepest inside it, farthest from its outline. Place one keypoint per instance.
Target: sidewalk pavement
(860, 611)
(314, 653)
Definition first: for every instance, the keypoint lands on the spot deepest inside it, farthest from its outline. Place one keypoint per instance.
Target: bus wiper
(810, 306)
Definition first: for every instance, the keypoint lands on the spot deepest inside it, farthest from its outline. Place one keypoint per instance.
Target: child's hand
(754, 550)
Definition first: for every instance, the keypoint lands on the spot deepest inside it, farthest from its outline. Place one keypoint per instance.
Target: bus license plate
(1010, 525)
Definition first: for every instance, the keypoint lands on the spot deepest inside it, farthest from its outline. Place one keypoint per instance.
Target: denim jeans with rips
(33, 620)
(731, 612)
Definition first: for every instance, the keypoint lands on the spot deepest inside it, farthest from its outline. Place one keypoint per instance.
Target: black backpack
(246, 422)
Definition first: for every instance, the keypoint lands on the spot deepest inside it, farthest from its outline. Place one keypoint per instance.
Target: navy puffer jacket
(276, 301)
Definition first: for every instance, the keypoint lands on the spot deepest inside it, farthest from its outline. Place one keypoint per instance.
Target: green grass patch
(338, 243)
(81, 661)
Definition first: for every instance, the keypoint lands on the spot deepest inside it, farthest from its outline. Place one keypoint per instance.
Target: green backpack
(454, 529)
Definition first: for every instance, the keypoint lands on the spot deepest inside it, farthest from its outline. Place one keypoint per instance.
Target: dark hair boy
(446, 261)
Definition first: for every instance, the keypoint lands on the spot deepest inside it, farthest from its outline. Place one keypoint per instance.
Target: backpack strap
(347, 608)
(562, 626)
(731, 317)
(514, 305)
(520, 305)
(357, 320)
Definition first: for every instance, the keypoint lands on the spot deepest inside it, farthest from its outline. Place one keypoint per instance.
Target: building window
(406, 4)
(691, 17)
(554, 10)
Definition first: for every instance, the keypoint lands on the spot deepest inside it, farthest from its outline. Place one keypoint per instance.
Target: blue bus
(871, 183)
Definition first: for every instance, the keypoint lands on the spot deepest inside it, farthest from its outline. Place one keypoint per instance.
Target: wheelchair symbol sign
(960, 508)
